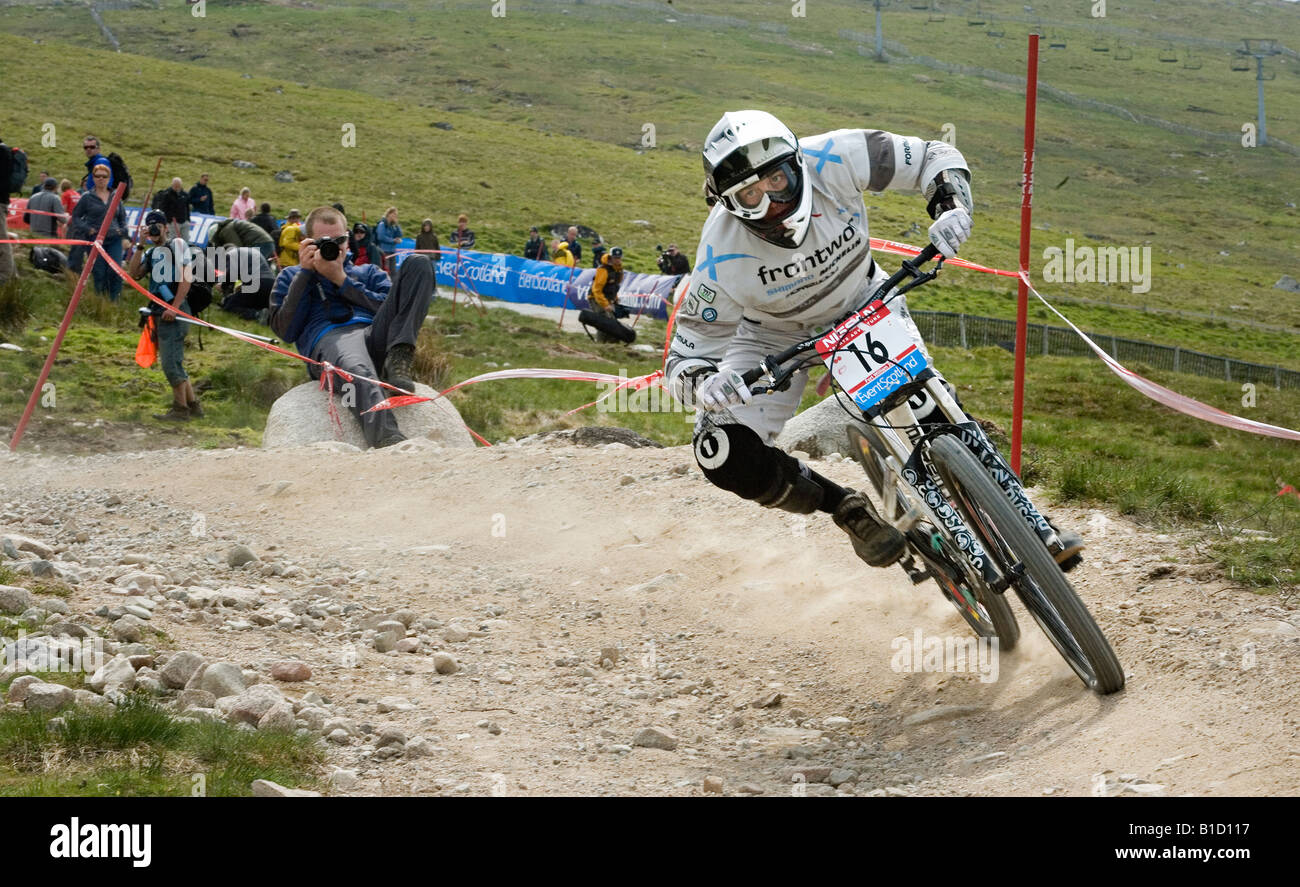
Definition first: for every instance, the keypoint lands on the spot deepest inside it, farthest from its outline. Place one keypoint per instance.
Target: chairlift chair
(996, 29)
(1122, 53)
(936, 14)
(1056, 40)
(1169, 55)
(977, 19)
(1240, 62)
(1191, 62)
(1101, 45)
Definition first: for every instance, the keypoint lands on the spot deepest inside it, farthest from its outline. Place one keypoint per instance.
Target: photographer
(168, 267)
(673, 262)
(353, 316)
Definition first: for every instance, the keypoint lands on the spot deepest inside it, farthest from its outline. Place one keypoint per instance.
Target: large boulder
(302, 416)
(818, 430)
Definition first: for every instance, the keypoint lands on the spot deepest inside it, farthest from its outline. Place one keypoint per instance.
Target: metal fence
(953, 330)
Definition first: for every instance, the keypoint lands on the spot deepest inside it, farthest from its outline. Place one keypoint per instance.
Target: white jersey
(738, 275)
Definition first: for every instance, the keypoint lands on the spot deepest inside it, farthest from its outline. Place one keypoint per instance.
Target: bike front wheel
(1041, 586)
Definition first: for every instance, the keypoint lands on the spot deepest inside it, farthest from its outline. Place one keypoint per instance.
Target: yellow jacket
(290, 237)
(562, 255)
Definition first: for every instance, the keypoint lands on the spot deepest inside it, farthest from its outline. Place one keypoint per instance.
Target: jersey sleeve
(883, 161)
(707, 318)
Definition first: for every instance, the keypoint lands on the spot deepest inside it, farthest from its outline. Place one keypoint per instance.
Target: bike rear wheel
(1042, 587)
(987, 613)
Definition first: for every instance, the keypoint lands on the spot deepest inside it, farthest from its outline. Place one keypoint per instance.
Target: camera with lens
(329, 250)
(155, 230)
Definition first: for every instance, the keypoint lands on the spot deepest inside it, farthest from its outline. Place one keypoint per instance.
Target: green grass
(140, 749)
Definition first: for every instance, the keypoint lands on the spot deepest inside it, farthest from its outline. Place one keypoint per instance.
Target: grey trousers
(7, 270)
(362, 349)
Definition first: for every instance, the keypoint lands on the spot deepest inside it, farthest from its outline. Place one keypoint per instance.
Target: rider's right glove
(722, 390)
(950, 231)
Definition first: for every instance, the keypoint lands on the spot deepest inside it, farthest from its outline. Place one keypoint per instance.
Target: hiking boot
(397, 366)
(196, 410)
(177, 413)
(1070, 554)
(878, 543)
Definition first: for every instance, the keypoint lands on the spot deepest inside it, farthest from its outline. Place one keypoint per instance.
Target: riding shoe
(876, 542)
(1071, 553)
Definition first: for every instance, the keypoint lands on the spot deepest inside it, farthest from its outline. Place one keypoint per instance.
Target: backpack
(18, 175)
(200, 294)
(120, 173)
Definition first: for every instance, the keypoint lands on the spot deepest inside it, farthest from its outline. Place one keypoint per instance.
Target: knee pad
(733, 458)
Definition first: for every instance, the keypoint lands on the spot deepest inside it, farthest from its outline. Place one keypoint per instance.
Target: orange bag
(146, 351)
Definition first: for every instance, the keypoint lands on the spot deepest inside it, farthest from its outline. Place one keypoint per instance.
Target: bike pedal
(915, 573)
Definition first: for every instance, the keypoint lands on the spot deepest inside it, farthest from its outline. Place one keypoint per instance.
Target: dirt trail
(553, 552)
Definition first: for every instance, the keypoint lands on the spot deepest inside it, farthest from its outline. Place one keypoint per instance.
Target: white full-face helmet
(744, 148)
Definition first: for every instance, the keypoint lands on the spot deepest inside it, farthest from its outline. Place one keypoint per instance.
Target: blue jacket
(326, 306)
(88, 183)
(386, 236)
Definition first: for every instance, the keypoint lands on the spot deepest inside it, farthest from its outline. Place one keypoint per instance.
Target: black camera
(155, 230)
(329, 250)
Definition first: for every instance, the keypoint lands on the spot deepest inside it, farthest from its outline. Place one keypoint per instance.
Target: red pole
(455, 293)
(1026, 205)
(564, 303)
(67, 315)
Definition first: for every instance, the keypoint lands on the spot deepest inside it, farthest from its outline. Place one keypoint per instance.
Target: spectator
(364, 251)
(266, 221)
(238, 232)
(201, 197)
(45, 210)
(290, 237)
(387, 234)
(90, 145)
(462, 237)
(68, 195)
(602, 298)
(167, 264)
(243, 207)
(247, 283)
(175, 205)
(354, 317)
(86, 219)
(562, 256)
(597, 251)
(427, 239)
(40, 183)
(575, 246)
(535, 248)
(7, 270)
(673, 262)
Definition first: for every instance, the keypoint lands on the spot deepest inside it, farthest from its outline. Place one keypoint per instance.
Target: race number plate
(871, 354)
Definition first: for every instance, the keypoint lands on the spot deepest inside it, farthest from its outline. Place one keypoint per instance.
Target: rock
(115, 674)
(655, 737)
(442, 124)
(407, 645)
(504, 677)
(277, 717)
(818, 430)
(840, 776)
(394, 703)
(390, 736)
(344, 780)
(223, 679)
(249, 707)
(13, 600)
(129, 629)
(139, 580)
(179, 669)
(301, 416)
(347, 726)
(749, 788)
(291, 671)
(1288, 283)
(265, 788)
(188, 699)
(26, 543)
(613, 654)
(385, 641)
(392, 625)
(811, 774)
(941, 713)
(314, 718)
(445, 663)
(836, 723)
(339, 737)
(90, 700)
(712, 785)
(283, 176)
(243, 164)
(419, 747)
(18, 689)
(455, 634)
(240, 555)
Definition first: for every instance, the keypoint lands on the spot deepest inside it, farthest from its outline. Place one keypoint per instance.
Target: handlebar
(771, 365)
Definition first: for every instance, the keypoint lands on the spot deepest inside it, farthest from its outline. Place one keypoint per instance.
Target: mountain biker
(783, 254)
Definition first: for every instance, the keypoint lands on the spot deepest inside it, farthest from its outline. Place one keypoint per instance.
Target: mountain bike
(968, 523)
